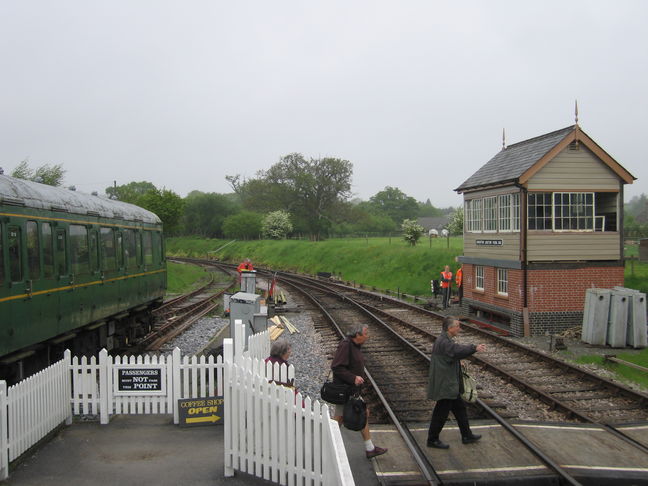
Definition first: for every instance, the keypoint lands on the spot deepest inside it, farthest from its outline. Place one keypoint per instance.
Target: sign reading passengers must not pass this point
(140, 380)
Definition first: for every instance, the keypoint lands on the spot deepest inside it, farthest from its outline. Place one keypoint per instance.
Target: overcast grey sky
(414, 93)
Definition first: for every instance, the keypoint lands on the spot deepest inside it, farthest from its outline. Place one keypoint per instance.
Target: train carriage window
(48, 250)
(130, 249)
(79, 257)
(94, 251)
(61, 253)
(107, 249)
(15, 255)
(138, 247)
(33, 253)
(1, 259)
(147, 243)
(119, 249)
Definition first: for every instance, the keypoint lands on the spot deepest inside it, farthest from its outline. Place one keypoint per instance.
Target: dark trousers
(446, 297)
(440, 415)
(460, 293)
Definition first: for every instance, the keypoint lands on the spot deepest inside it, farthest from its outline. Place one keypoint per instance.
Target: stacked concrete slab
(615, 317)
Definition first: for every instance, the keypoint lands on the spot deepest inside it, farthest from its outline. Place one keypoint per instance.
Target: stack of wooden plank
(280, 323)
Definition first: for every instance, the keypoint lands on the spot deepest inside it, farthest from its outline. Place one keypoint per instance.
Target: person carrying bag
(348, 368)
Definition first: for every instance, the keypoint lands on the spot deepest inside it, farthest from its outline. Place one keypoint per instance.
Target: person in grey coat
(445, 384)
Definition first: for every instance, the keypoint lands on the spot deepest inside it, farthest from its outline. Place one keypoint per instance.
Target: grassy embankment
(184, 278)
(380, 262)
(625, 373)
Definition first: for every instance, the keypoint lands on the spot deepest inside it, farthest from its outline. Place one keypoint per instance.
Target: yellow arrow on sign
(210, 418)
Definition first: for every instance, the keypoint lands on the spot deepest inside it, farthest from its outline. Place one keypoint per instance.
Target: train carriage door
(119, 250)
(15, 254)
(60, 254)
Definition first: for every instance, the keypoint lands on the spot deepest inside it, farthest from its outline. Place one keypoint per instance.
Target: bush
(245, 225)
(412, 231)
(276, 225)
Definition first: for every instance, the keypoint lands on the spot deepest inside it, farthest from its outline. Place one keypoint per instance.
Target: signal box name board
(201, 411)
(140, 380)
(488, 242)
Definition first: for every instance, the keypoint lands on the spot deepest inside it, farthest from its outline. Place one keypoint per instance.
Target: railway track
(176, 315)
(540, 389)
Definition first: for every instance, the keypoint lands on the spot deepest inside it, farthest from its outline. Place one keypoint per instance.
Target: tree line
(301, 196)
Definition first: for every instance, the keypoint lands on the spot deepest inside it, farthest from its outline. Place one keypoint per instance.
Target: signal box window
(502, 281)
(15, 260)
(61, 253)
(107, 249)
(79, 256)
(130, 249)
(33, 256)
(479, 278)
(147, 243)
(48, 250)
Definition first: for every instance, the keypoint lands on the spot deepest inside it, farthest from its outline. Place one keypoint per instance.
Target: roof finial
(576, 110)
(503, 138)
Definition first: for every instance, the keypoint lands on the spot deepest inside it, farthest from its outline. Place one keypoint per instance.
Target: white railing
(270, 431)
(274, 434)
(31, 409)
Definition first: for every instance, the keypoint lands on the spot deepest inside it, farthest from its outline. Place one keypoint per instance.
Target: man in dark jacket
(445, 384)
(348, 367)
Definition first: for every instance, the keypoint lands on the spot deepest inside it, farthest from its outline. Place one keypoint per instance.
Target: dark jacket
(444, 377)
(347, 363)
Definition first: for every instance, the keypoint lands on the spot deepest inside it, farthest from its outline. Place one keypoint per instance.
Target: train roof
(20, 192)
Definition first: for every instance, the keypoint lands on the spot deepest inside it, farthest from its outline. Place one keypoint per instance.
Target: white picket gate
(275, 434)
(267, 430)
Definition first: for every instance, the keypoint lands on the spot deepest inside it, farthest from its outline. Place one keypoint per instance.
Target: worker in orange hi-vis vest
(245, 266)
(459, 282)
(446, 284)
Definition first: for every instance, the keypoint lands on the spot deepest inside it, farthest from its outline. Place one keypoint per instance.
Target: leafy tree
(245, 225)
(456, 224)
(167, 205)
(276, 225)
(131, 192)
(394, 203)
(52, 175)
(426, 209)
(412, 231)
(308, 189)
(204, 213)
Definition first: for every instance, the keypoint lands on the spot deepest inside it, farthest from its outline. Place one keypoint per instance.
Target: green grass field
(381, 262)
(625, 373)
(184, 278)
(385, 263)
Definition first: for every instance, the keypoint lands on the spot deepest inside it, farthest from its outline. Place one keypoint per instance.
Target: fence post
(175, 362)
(67, 384)
(4, 439)
(228, 361)
(239, 338)
(104, 393)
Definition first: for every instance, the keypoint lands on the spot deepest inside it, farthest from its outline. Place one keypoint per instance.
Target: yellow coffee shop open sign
(201, 411)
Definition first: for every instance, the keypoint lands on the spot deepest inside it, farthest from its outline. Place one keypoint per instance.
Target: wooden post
(105, 395)
(527, 324)
(228, 362)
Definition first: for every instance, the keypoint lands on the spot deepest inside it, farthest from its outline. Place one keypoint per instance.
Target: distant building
(543, 221)
(433, 222)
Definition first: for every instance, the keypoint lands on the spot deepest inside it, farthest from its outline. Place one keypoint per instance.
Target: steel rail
(534, 449)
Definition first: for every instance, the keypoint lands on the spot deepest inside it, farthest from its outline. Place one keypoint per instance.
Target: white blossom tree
(412, 231)
(276, 225)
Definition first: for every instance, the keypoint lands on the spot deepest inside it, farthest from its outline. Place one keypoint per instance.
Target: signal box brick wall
(555, 296)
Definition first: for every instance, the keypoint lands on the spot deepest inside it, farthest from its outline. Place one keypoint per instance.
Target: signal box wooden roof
(517, 163)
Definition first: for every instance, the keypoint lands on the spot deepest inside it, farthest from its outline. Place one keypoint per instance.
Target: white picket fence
(288, 443)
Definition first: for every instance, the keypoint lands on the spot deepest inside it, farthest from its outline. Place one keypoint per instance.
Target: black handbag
(355, 413)
(337, 393)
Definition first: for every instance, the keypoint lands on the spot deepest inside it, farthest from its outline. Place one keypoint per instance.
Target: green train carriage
(77, 271)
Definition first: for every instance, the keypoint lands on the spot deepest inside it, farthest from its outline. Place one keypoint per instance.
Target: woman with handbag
(348, 368)
(445, 384)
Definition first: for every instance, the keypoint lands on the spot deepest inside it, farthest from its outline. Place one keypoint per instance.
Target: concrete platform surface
(146, 450)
